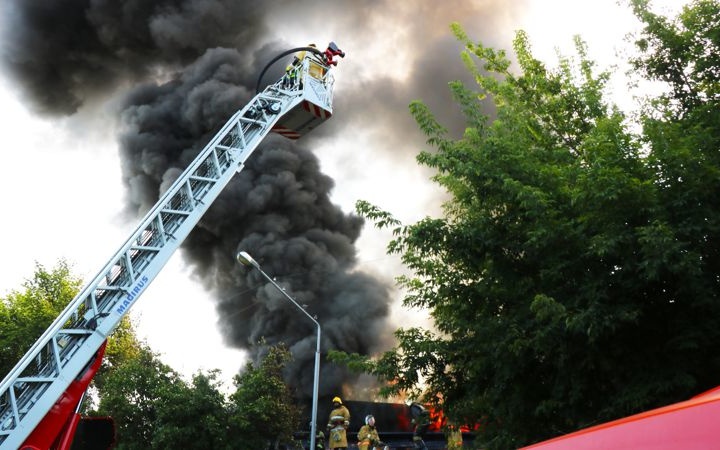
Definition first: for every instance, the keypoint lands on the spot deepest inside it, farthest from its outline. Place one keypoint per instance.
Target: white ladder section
(34, 385)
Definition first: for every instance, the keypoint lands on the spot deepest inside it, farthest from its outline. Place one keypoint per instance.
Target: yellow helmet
(337, 400)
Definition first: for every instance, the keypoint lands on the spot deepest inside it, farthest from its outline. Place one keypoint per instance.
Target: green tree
(25, 314)
(133, 393)
(152, 406)
(123, 345)
(193, 416)
(573, 276)
(683, 52)
(263, 411)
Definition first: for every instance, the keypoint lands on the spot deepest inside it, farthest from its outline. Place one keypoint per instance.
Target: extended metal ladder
(34, 385)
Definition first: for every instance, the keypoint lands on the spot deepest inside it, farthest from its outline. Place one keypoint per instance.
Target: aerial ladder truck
(40, 397)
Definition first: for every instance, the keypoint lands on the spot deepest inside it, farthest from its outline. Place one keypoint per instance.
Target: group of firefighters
(327, 58)
(368, 438)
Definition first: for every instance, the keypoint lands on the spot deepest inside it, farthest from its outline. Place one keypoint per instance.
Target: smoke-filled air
(176, 70)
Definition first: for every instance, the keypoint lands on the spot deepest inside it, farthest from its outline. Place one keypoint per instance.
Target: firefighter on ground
(319, 439)
(338, 424)
(368, 438)
(421, 423)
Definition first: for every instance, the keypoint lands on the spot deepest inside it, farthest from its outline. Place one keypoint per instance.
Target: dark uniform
(421, 422)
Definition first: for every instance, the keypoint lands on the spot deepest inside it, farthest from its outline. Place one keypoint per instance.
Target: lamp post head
(245, 259)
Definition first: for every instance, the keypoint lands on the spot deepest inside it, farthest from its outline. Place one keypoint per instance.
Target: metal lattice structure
(39, 379)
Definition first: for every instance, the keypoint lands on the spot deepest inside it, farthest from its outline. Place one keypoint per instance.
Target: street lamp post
(247, 260)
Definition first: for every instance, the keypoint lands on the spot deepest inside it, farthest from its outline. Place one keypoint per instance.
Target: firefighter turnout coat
(338, 423)
(368, 436)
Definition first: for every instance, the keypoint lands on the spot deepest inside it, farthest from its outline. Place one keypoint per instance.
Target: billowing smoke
(180, 68)
(278, 209)
(64, 53)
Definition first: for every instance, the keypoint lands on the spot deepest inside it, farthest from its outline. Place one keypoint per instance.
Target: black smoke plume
(180, 68)
(278, 209)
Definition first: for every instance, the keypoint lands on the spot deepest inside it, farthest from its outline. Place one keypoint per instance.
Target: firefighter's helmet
(337, 400)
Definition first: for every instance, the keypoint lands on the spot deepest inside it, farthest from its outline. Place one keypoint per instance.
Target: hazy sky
(70, 188)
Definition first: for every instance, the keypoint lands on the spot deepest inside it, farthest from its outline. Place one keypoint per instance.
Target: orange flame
(438, 422)
(437, 419)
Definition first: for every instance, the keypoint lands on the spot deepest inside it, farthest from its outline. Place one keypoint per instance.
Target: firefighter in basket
(338, 424)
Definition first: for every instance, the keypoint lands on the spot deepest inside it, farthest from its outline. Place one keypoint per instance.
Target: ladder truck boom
(58, 363)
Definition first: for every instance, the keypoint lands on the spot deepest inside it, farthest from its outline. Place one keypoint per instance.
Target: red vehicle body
(690, 425)
(57, 429)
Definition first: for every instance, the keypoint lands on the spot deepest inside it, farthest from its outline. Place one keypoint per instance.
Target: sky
(75, 171)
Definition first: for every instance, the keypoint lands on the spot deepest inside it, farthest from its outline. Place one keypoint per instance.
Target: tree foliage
(194, 416)
(133, 394)
(684, 53)
(26, 313)
(573, 276)
(263, 411)
(154, 407)
(151, 404)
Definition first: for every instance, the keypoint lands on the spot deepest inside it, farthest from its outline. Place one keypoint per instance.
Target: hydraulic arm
(62, 355)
